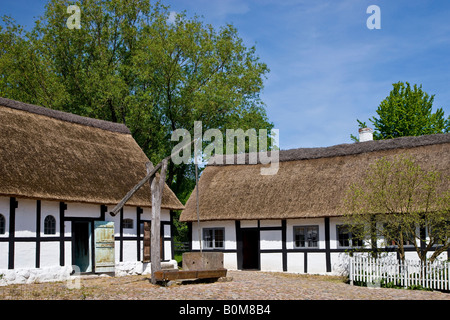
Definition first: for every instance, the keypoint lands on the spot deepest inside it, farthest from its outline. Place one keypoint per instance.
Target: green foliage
(396, 198)
(407, 111)
(130, 64)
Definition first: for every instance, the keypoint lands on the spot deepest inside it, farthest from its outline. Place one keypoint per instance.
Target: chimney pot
(365, 134)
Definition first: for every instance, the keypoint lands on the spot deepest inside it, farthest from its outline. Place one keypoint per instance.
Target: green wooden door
(104, 246)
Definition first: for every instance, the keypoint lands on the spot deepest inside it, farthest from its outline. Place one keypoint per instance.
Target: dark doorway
(82, 245)
(250, 248)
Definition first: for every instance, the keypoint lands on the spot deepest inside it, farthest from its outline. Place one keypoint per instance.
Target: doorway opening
(82, 245)
(250, 248)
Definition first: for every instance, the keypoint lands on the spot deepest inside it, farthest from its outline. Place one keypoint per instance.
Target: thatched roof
(52, 155)
(310, 182)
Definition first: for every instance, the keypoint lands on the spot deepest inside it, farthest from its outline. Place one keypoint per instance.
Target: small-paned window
(407, 238)
(306, 236)
(49, 225)
(214, 238)
(127, 223)
(346, 238)
(2, 224)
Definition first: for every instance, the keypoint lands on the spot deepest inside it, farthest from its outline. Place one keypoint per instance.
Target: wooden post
(157, 188)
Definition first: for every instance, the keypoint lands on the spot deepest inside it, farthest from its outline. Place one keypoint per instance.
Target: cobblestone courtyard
(243, 285)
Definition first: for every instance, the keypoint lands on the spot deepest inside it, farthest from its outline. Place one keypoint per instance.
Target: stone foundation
(57, 273)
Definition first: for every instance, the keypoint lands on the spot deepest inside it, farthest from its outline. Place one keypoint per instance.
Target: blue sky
(327, 68)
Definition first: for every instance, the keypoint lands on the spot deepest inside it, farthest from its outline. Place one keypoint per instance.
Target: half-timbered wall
(275, 248)
(25, 243)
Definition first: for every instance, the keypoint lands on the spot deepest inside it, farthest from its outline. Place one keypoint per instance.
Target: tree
(407, 111)
(402, 203)
(130, 63)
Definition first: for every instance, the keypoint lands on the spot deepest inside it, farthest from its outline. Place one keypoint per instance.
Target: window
(306, 236)
(214, 238)
(49, 225)
(407, 237)
(127, 223)
(346, 238)
(2, 224)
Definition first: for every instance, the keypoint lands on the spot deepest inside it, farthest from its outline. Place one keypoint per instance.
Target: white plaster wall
(271, 262)
(249, 223)
(117, 252)
(230, 260)
(67, 252)
(333, 234)
(50, 254)
(4, 250)
(339, 263)
(116, 220)
(316, 263)
(25, 254)
(26, 218)
(270, 239)
(129, 250)
(167, 250)
(128, 213)
(295, 262)
(230, 233)
(270, 223)
(51, 208)
(166, 231)
(84, 210)
(147, 214)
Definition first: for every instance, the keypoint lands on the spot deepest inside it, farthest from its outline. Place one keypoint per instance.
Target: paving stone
(243, 285)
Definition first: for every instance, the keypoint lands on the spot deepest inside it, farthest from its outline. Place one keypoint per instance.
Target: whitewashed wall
(271, 245)
(49, 258)
(230, 258)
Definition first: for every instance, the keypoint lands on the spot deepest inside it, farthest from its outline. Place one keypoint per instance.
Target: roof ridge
(347, 149)
(65, 116)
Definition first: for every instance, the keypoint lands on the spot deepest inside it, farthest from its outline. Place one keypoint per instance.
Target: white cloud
(172, 17)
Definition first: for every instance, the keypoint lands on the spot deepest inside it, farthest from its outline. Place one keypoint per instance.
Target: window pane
(299, 237)
(343, 236)
(357, 241)
(313, 236)
(49, 225)
(2, 224)
(219, 238)
(128, 223)
(208, 238)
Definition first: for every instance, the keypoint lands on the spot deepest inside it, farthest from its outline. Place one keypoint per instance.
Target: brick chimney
(365, 134)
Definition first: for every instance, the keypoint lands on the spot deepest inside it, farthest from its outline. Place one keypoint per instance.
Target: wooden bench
(171, 275)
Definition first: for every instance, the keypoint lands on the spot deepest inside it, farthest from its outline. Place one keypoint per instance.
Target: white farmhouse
(292, 221)
(59, 175)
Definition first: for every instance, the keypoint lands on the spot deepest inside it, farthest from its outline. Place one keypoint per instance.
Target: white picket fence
(400, 273)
